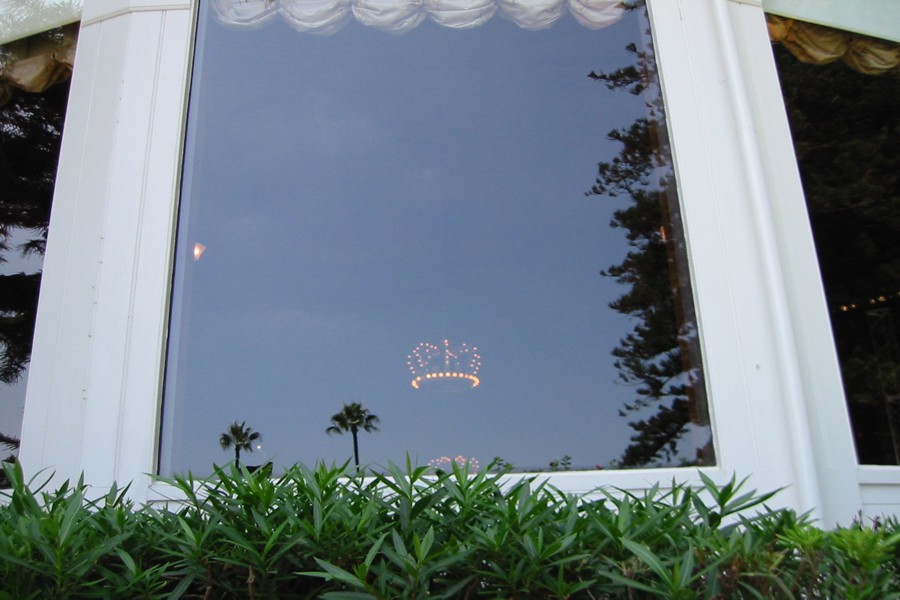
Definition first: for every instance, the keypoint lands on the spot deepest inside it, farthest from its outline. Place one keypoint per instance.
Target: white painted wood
(151, 285)
(879, 489)
(101, 10)
(54, 419)
(824, 406)
(747, 361)
(93, 399)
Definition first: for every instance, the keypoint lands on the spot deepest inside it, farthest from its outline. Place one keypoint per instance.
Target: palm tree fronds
(352, 418)
(240, 437)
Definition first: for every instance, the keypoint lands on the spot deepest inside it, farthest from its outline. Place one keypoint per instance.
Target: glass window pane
(841, 94)
(34, 88)
(416, 223)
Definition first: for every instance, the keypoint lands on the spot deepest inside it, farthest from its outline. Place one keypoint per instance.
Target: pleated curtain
(399, 16)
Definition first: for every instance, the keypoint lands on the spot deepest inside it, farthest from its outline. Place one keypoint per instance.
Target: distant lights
(417, 382)
(870, 302)
(444, 362)
(444, 463)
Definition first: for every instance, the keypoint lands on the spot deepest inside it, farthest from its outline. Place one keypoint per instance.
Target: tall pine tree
(660, 357)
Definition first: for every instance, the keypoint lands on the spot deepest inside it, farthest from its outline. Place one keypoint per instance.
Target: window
(34, 76)
(416, 223)
(840, 90)
(101, 339)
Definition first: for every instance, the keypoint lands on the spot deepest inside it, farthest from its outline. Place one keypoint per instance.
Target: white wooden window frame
(777, 408)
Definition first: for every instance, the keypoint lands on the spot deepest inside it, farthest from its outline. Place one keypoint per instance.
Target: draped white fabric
(399, 16)
(19, 19)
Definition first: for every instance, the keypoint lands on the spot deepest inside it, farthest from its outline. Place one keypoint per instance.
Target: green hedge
(332, 533)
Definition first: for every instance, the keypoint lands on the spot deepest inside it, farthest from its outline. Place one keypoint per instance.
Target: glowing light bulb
(199, 249)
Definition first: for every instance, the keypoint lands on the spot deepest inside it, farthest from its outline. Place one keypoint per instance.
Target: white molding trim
(96, 11)
(879, 474)
(92, 404)
(786, 351)
(822, 402)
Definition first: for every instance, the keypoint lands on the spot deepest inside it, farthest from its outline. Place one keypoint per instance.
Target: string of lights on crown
(444, 366)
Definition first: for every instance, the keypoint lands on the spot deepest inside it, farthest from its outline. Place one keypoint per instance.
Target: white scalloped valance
(20, 19)
(399, 16)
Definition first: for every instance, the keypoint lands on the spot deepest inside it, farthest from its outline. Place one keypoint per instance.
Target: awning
(874, 18)
(398, 16)
(819, 45)
(20, 19)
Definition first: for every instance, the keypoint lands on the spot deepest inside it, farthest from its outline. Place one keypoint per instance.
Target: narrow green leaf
(621, 579)
(647, 557)
(126, 558)
(373, 551)
(687, 568)
(334, 572)
(74, 509)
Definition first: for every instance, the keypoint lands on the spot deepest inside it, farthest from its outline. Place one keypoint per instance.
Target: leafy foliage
(338, 533)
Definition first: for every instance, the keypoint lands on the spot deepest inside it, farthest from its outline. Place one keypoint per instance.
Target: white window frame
(777, 409)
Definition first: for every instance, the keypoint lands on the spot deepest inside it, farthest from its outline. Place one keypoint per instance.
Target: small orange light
(199, 249)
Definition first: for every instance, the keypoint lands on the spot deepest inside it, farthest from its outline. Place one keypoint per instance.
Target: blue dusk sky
(360, 193)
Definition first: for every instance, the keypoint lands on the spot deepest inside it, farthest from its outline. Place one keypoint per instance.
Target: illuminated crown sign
(444, 362)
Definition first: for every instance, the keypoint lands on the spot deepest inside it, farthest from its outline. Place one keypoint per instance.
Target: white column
(93, 396)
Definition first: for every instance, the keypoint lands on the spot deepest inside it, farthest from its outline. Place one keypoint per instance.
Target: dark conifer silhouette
(660, 356)
(30, 134)
(30, 130)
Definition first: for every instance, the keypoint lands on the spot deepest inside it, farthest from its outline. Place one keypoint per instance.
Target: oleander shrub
(339, 533)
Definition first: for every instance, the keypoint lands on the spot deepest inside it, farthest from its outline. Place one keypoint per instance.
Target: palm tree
(352, 418)
(240, 437)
